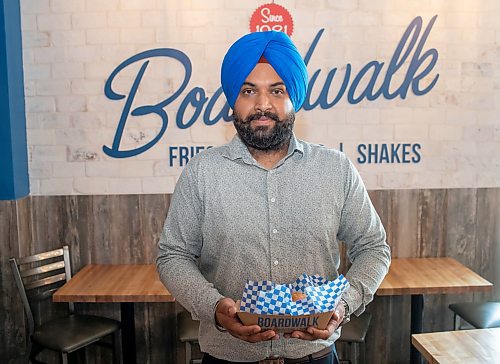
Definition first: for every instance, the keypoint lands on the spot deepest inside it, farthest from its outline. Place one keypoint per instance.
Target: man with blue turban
(267, 206)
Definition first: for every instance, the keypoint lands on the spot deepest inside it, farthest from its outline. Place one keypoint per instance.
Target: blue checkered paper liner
(269, 298)
(276, 300)
(251, 294)
(306, 281)
(327, 296)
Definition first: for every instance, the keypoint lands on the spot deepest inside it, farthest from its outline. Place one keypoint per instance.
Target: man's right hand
(225, 315)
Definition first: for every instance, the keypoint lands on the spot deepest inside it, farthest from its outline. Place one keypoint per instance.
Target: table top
(114, 283)
(411, 276)
(464, 346)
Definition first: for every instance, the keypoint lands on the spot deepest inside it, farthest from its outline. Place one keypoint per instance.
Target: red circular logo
(271, 17)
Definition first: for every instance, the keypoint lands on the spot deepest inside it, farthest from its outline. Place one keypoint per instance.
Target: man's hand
(313, 333)
(226, 317)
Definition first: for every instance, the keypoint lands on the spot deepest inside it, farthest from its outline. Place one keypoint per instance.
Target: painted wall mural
(119, 96)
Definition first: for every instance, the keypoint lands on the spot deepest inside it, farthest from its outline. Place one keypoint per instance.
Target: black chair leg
(28, 354)
(117, 350)
(64, 358)
(188, 352)
(362, 353)
(34, 350)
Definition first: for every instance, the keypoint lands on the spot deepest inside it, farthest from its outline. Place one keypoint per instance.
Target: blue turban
(278, 49)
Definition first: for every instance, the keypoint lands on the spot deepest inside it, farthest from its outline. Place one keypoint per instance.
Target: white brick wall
(67, 38)
(41, 137)
(48, 153)
(124, 19)
(35, 6)
(158, 184)
(138, 5)
(52, 87)
(49, 22)
(71, 103)
(445, 132)
(66, 6)
(70, 47)
(108, 36)
(68, 71)
(124, 185)
(411, 132)
(91, 186)
(98, 5)
(89, 20)
(36, 39)
(65, 169)
(53, 120)
(56, 186)
(36, 72)
(40, 104)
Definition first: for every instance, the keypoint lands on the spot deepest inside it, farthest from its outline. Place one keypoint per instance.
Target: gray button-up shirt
(231, 220)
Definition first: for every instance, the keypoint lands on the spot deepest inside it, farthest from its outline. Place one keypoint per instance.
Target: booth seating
(353, 334)
(37, 278)
(481, 315)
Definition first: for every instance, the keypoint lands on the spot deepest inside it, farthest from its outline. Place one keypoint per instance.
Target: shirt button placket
(274, 228)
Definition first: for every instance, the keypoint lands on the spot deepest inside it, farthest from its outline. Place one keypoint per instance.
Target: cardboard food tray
(286, 323)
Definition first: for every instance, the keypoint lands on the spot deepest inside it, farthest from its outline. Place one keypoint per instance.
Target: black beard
(262, 137)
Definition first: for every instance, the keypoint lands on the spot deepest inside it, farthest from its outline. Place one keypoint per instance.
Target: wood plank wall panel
(429, 223)
(487, 232)
(461, 223)
(495, 242)
(12, 334)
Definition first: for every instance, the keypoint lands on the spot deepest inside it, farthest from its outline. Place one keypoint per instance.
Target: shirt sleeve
(179, 247)
(362, 231)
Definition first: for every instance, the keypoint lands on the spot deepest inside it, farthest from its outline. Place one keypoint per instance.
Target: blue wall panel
(14, 182)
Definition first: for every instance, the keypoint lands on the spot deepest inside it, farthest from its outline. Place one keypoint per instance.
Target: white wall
(72, 46)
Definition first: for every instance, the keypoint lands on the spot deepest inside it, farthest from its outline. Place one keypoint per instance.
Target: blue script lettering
(146, 109)
(191, 108)
(195, 98)
(372, 70)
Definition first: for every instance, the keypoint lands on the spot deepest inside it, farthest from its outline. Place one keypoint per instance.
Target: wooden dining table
(121, 283)
(463, 346)
(422, 276)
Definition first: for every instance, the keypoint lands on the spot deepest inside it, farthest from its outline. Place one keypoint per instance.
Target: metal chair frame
(38, 283)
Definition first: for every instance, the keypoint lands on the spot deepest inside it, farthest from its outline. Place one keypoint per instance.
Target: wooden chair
(37, 278)
(481, 315)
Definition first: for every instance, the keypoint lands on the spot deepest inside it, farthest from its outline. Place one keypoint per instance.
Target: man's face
(263, 112)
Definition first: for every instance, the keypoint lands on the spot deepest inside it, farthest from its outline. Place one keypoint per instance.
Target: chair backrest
(39, 276)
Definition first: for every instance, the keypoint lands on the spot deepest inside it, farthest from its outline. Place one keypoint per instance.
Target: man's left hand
(313, 333)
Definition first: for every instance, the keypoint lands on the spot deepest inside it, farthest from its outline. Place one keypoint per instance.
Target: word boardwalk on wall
(409, 49)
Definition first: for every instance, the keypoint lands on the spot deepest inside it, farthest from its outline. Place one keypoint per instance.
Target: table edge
(422, 350)
(432, 290)
(111, 299)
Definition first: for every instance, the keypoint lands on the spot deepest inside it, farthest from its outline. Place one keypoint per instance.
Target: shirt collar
(236, 149)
